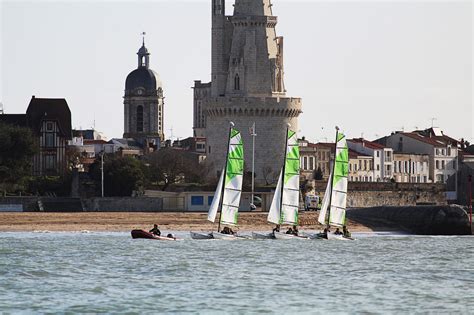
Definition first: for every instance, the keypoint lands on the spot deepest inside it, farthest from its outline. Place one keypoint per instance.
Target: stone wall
(362, 194)
(114, 204)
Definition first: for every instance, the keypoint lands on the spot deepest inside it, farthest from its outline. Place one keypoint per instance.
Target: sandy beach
(124, 222)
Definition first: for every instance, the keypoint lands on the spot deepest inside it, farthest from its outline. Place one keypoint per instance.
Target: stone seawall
(109, 204)
(422, 220)
(361, 195)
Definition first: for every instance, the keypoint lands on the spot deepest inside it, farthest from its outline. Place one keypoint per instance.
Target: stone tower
(144, 104)
(247, 86)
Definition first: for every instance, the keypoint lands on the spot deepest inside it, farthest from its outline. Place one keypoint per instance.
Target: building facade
(361, 167)
(382, 157)
(144, 104)
(247, 86)
(411, 168)
(50, 121)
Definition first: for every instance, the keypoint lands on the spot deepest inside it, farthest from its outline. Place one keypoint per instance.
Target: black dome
(143, 78)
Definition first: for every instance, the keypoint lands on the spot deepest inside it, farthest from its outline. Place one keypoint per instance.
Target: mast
(332, 177)
(225, 173)
(283, 171)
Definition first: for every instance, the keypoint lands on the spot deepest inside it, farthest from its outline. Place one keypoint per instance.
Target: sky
(370, 67)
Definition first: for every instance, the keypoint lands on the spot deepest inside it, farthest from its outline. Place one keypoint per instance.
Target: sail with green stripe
(285, 204)
(230, 182)
(335, 198)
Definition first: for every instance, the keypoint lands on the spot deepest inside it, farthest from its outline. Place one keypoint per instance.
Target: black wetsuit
(155, 231)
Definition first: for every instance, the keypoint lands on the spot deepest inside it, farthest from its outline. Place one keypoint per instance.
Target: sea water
(111, 273)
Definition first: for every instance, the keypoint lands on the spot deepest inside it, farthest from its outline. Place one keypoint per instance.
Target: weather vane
(143, 34)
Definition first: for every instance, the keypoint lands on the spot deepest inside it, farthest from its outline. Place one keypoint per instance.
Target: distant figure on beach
(276, 229)
(295, 230)
(227, 230)
(337, 232)
(345, 232)
(155, 230)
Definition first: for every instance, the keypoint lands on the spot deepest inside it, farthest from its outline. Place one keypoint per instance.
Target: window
(365, 165)
(449, 151)
(50, 162)
(140, 119)
(437, 165)
(305, 162)
(49, 126)
(197, 200)
(209, 200)
(350, 167)
(49, 140)
(378, 153)
(443, 165)
(311, 163)
(442, 152)
(237, 82)
(378, 167)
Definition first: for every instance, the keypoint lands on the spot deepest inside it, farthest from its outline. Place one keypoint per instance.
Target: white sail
(211, 215)
(337, 214)
(233, 180)
(274, 214)
(325, 203)
(285, 204)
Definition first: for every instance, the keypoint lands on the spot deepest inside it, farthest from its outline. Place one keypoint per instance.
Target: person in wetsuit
(227, 230)
(337, 232)
(345, 232)
(295, 230)
(155, 230)
(276, 229)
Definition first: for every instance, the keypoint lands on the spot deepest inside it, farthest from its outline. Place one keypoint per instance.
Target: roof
(51, 109)
(355, 155)
(324, 145)
(434, 141)
(143, 78)
(126, 143)
(14, 119)
(368, 144)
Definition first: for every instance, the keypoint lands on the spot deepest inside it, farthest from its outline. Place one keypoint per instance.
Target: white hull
(220, 236)
(201, 236)
(339, 237)
(260, 236)
(284, 236)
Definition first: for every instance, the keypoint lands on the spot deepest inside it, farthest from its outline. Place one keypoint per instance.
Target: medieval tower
(144, 104)
(247, 87)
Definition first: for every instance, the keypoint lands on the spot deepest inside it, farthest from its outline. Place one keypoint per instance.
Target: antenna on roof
(432, 121)
(143, 34)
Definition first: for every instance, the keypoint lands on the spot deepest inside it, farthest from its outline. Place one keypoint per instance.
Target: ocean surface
(111, 273)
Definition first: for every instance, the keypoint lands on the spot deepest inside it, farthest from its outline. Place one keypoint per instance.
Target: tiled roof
(51, 109)
(354, 154)
(368, 144)
(434, 141)
(87, 141)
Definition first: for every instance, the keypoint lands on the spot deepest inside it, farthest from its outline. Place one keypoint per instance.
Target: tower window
(237, 82)
(140, 119)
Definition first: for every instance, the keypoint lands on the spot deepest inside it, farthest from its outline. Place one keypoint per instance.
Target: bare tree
(268, 176)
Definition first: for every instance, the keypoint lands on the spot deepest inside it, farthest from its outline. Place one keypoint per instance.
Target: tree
(267, 173)
(122, 175)
(170, 166)
(318, 175)
(17, 148)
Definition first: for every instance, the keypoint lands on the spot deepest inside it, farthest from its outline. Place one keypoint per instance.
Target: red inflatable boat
(146, 235)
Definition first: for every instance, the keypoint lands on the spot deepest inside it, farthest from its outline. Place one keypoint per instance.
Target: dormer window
(49, 126)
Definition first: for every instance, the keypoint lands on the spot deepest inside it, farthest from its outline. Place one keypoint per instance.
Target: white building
(361, 167)
(382, 157)
(411, 168)
(441, 149)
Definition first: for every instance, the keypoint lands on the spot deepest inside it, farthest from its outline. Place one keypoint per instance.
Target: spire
(143, 55)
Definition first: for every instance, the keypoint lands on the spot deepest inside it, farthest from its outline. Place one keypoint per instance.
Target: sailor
(337, 232)
(290, 231)
(227, 230)
(295, 230)
(155, 230)
(345, 232)
(276, 229)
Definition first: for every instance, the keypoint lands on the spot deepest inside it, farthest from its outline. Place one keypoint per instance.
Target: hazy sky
(370, 67)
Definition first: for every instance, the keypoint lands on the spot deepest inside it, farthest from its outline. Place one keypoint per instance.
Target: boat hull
(284, 236)
(260, 236)
(201, 236)
(141, 234)
(220, 236)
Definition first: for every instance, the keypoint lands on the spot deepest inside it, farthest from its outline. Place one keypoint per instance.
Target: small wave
(41, 231)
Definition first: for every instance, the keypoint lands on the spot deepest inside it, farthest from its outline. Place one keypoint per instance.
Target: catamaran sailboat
(333, 208)
(229, 189)
(285, 203)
